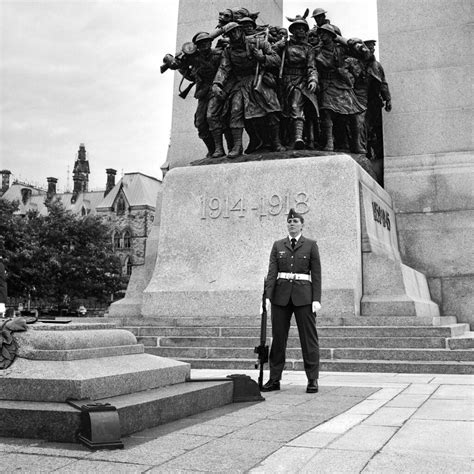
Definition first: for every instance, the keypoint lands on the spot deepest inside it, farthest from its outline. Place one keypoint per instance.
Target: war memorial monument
(397, 256)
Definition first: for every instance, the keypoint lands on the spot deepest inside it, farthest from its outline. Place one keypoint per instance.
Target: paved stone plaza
(359, 422)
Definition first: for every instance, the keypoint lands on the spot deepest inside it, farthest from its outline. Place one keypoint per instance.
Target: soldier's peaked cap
(292, 214)
(318, 11)
(370, 41)
(201, 36)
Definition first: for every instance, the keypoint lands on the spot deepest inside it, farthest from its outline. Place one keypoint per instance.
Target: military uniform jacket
(304, 258)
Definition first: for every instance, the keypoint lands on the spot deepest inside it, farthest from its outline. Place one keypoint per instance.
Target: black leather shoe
(271, 385)
(312, 386)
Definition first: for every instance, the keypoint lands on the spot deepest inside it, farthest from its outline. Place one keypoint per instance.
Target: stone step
(356, 354)
(293, 342)
(463, 341)
(398, 366)
(55, 421)
(254, 320)
(323, 331)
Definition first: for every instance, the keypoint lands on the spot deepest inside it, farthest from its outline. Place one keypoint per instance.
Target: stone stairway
(365, 344)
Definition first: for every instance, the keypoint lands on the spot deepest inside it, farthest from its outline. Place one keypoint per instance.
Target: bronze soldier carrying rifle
(299, 77)
(249, 99)
(337, 95)
(378, 97)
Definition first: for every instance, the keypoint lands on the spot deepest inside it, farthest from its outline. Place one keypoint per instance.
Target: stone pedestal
(91, 361)
(429, 158)
(218, 224)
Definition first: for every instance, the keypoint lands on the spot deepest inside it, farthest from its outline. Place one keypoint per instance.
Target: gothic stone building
(128, 206)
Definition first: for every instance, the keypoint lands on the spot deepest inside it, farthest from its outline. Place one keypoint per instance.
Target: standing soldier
(293, 286)
(378, 96)
(337, 95)
(299, 77)
(246, 60)
(201, 67)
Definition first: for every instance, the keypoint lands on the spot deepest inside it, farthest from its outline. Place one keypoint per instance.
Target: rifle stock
(262, 349)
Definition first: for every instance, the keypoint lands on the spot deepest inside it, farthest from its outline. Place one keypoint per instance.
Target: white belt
(294, 276)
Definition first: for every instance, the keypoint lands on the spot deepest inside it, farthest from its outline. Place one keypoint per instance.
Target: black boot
(299, 142)
(271, 386)
(209, 142)
(356, 122)
(237, 149)
(312, 386)
(218, 145)
(274, 130)
(328, 138)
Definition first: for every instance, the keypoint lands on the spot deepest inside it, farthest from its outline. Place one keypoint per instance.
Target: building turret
(81, 169)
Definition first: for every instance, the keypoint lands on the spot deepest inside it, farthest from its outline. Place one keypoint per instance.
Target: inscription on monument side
(226, 207)
(381, 216)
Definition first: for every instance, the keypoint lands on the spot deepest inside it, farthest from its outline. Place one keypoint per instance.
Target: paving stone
(286, 460)
(364, 438)
(395, 463)
(273, 430)
(222, 456)
(406, 401)
(385, 394)
(390, 416)
(314, 439)
(102, 466)
(452, 392)
(418, 388)
(331, 461)
(367, 407)
(340, 424)
(441, 437)
(433, 409)
(17, 462)
(154, 452)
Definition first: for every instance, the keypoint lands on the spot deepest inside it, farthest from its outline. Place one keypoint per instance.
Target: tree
(59, 254)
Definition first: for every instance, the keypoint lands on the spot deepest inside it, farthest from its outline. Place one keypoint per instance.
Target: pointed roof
(139, 190)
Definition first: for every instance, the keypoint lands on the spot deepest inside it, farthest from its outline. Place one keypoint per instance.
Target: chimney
(110, 180)
(51, 188)
(5, 181)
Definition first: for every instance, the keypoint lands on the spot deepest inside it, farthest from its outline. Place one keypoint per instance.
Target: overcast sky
(87, 71)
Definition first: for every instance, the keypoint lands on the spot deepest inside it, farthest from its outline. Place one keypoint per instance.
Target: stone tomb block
(218, 224)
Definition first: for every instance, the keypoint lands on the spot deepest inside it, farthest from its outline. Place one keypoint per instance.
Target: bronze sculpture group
(310, 89)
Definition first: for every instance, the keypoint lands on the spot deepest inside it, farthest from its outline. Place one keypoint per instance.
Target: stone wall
(426, 50)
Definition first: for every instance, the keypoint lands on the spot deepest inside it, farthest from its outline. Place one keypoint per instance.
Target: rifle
(184, 93)
(262, 349)
(257, 81)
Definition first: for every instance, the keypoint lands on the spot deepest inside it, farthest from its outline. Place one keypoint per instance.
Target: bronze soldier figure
(299, 78)
(337, 95)
(378, 97)
(251, 98)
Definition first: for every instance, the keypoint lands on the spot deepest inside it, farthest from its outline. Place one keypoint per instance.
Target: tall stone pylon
(426, 51)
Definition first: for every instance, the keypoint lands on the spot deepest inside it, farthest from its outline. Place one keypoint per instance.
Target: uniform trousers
(306, 323)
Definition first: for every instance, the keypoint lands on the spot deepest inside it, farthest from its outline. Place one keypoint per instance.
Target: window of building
(120, 206)
(117, 240)
(129, 266)
(127, 239)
